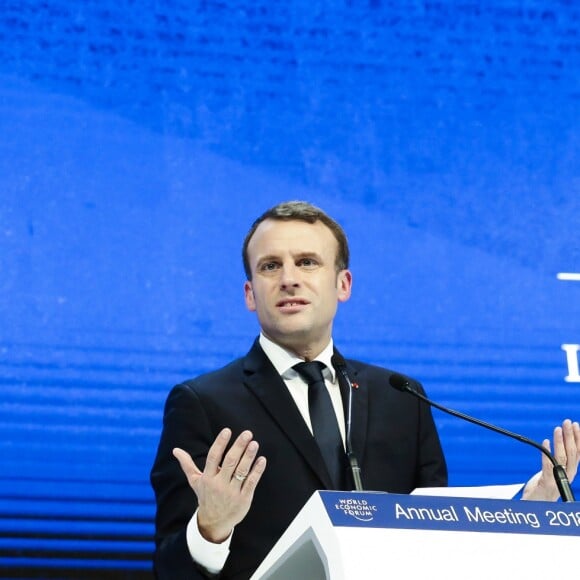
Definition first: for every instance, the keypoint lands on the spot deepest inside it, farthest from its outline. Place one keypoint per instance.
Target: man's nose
(289, 276)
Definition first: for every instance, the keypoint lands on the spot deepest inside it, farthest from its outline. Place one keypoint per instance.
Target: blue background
(140, 139)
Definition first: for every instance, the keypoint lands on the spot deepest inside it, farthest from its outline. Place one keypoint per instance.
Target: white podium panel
(361, 535)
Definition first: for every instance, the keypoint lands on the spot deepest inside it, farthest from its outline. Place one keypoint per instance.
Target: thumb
(546, 463)
(187, 465)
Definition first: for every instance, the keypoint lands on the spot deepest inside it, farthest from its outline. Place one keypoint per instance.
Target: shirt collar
(283, 360)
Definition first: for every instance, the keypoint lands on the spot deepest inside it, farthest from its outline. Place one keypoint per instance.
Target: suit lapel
(266, 384)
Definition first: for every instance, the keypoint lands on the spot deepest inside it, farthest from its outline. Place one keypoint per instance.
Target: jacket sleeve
(185, 425)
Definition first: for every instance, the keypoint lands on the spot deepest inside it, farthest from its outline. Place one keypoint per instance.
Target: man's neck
(305, 353)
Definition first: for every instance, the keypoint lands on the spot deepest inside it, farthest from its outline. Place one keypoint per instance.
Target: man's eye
(268, 266)
(308, 262)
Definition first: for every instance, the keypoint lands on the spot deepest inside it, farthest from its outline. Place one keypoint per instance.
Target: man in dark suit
(220, 509)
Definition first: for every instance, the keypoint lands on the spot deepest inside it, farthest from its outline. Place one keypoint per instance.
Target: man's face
(295, 288)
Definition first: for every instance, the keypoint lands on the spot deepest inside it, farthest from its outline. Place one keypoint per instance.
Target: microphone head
(338, 361)
(400, 382)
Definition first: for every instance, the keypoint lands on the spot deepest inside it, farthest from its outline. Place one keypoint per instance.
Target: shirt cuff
(208, 555)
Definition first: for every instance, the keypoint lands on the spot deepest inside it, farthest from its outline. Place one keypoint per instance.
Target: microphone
(403, 384)
(340, 365)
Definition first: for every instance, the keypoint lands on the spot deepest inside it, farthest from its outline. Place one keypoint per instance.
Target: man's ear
(344, 285)
(249, 296)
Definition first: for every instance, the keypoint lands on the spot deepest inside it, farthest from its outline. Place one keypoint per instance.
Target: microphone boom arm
(340, 366)
(559, 472)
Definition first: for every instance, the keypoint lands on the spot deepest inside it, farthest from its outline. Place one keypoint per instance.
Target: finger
(235, 453)
(571, 448)
(187, 465)
(559, 447)
(216, 452)
(253, 478)
(576, 433)
(576, 429)
(245, 463)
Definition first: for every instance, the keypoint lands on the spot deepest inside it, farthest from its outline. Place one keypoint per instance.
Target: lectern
(366, 536)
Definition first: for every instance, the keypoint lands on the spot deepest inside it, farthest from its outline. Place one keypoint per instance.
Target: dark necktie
(323, 419)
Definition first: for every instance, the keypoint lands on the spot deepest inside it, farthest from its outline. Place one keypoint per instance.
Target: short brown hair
(301, 211)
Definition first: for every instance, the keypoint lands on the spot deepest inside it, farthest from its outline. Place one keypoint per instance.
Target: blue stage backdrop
(139, 139)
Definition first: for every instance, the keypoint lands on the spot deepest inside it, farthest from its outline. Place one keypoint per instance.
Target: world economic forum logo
(359, 509)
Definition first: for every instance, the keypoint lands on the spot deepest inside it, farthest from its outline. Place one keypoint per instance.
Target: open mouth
(291, 303)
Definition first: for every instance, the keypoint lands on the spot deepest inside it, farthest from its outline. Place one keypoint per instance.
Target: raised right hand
(225, 488)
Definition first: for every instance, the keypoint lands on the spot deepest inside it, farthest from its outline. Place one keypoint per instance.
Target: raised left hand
(542, 486)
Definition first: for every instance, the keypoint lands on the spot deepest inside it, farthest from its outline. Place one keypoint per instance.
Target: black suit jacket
(393, 437)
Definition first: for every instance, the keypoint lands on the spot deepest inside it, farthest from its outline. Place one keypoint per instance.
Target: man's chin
(296, 339)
